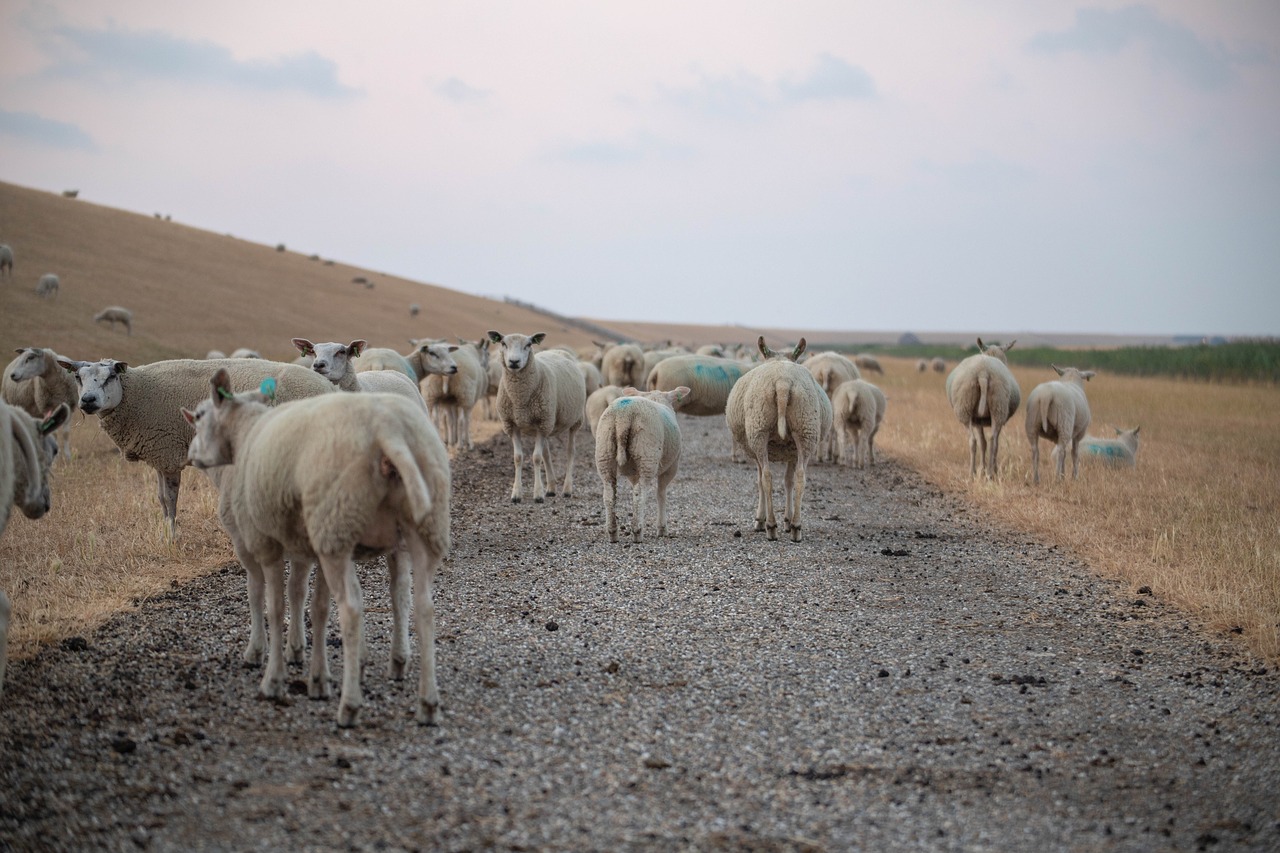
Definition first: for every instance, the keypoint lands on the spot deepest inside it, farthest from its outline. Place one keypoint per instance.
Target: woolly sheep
(1059, 411)
(939, 364)
(858, 409)
(113, 314)
(639, 438)
(454, 395)
(27, 450)
(655, 356)
(983, 393)
(6, 259)
(244, 352)
(592, 378)
(36, 383)
(322, 478)
(867, 361)
(597, 402)
(138, 407)
(47, 287)
(430, 356)
(778, 412)
(715, 350)
(415, 309)
(623, 365)
(1121, 451)
(333, 361)
(491, 396)
(540, 394)
(709, 378)
(70, 193)
(215, 353)
(831, 370)
(385, 358)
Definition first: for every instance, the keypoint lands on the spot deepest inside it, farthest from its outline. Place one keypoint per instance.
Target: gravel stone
(910, 676)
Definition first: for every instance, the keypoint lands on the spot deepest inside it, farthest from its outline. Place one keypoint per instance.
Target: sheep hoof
(253, 655)
(398, 666)
(427, 713)
(295, 653)
(347, 715)
(515, 499)
(613, 536)
(635, 537)
(538, 500)
(318, 688)
(759, 525)
(795, 533)
(773, 533)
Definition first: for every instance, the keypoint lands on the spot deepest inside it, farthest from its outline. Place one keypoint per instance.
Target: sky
(924, 166)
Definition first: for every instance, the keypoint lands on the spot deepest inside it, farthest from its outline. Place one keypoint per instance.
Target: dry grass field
(1196, 521)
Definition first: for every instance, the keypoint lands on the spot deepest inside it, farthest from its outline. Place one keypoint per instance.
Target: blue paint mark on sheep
(622, 402)
(1105, 450)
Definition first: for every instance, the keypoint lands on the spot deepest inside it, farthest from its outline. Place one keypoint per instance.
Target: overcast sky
(1000, 166)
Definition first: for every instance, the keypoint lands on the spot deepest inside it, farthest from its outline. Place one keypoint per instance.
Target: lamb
(1119, 451)
(36, 383)
(623, 365)
(597, 402)
(710, 379)
(983, 393)
(638, 437)
(6, 259)
(27, 450)
(778, 412)
(139, 407)
(333, 361)
(868, 362)
(541, 394)
(858, 409)
(113, 314)
(47, 287)
(323, 478)
(454, 395)
(1059, 411)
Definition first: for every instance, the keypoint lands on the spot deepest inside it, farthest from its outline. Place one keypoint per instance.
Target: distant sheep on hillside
(113, 314)
(48, 285)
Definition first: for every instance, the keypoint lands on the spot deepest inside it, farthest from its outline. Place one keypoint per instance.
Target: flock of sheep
(343, 455)
(48, 285)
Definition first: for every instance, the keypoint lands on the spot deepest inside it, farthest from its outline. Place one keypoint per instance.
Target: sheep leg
(340, 573)
(167, 491)
(609, 479)
(637, 506)
(1075, 460)
(253, 580)
(425, 562)
(570, 444)
(398, 563)
(764, 512)
(517, 452)
(664, 480)
(318, 677)
(272, 686)
(296, 642)
(540, 469)
(871, 447)
(995, 448)
(464, 427)
(795, 494)
(976, 439)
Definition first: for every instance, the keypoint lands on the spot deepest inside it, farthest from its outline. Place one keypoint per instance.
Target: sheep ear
(630, 391)
(220, 387)
(188, 416)
(681, 394)
(356, 347)
(304, 346)
(496, 337)
(70, 363)
(981, 345)
(799, 350)
(453, 348)
(537, 339)
(1058, 369)
(1009, 345)
(55, 419)
(120, 366)
(764, 348)
(1088, 374)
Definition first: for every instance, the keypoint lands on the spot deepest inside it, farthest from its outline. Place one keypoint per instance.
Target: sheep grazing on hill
(710, 379)
(415, 309)
(322, 478)
(113, 314)
(1059, 411)
(26, 453)
(70, 193)
(639, 438)
(542, 395)
(452, 396)
(858, 411)
(6, 260)
(778, 412)
(333, 361)
(597, 402)
(47, 287)
(983, 393)
(36, 383)
(623, 365)
(138, 407)
(1121, 451)
(868, 362)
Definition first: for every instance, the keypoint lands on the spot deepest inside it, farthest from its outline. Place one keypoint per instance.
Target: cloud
(738, 96)
(37, 128)
(1106, 32)
(611, 152)
(117, 53)
(459, 92)
(831, 79)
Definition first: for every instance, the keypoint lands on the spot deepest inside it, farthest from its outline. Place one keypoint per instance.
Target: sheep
(623, 365)
(939, 364)
(491, 396)
(414, 309)
(1119, 451)
(113, 314)
(710, 379)
(215, 353)
(1059, 411)
(454, 395)
(47, 287)
(653, 357)
(716, 350)
(27, 450)
(597, 402)
(385, 358)
(543, 395)
(867, 361)
(138, 407)
(244, 352)
(333, 361)
(638, 436)
(831, 370)
(6, 259)
(778, 412)
(70, 193)
(324, 478)
(857, 410)
(592, 378)
(922, 365)
(36, 383)
(983, 393)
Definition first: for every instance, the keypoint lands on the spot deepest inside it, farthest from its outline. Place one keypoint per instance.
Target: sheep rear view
(1059, 411)
(983, 393)
(859, 410)
(638, 437)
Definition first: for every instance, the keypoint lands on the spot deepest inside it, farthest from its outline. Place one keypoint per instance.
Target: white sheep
(597, 402)
(216, 353)
(491, 396)
(385, 358)
(831, 370)
(710, 379)
(939, 364)
(592, 378)
(983, 393)
(113, 314)
(414, 309)
(36, 383)
(778, 412)
(6, 259)
(867, 361)
(638, 437)
(623, 365)
(543, 395)
(430, 356)
(27, 450)
(716, 350)
(47, 287)
(1121, 451)
(244, 352)
(452, 396)
(858, 410)
(1059, 411)
(322, 478)
(332, 360)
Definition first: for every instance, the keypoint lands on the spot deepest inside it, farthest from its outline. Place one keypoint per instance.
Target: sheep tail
(783, 393)
(398, 459)
(984, 380)
(622, 437)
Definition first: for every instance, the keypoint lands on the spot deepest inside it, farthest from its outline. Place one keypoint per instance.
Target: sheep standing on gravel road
(1059, 411)
(639, 438)
(858, 411)
(983, 393)
(623, 365)
(320, 478)
(36, 383)
(113, 314)
(939, 364)
(47, 287)
(778, 412)
(597, 402)
(542, 395)
(710, 379)
(452, 396)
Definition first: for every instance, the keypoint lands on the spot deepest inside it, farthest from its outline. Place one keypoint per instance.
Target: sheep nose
(88, 405)
(453, 368)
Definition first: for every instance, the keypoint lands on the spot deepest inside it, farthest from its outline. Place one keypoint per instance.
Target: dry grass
(1198, 520)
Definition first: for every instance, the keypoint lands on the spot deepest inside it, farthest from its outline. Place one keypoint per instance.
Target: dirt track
(906, 677)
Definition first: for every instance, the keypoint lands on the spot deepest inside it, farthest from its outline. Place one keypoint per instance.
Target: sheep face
(99, 381)
(332, 360)
(29, 366)
(438, 358)
(516, 349)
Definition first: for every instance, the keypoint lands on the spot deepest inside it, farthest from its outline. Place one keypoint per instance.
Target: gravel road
(908, 677)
